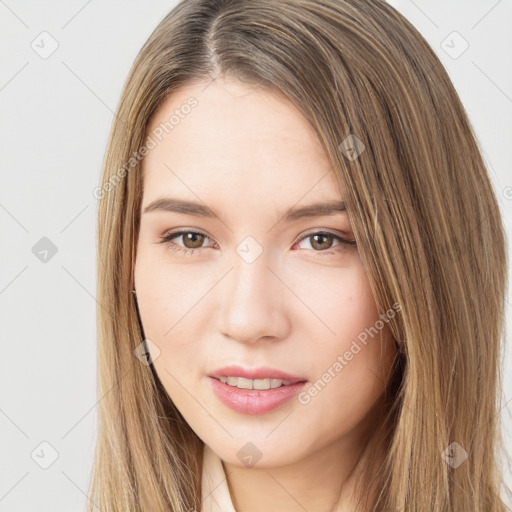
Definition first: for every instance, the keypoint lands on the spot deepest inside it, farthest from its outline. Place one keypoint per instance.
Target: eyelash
(167, 240)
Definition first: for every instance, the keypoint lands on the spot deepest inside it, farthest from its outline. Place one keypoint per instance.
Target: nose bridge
(249, 281)
(252, 304)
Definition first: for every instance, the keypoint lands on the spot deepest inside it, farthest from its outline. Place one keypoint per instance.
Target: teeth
(243, 383)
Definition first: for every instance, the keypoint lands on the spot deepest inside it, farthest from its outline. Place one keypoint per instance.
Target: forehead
(238, 139)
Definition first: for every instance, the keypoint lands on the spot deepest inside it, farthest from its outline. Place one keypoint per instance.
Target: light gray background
(56, 114)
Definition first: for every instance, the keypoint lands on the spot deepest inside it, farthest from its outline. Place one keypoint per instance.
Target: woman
(301, 271)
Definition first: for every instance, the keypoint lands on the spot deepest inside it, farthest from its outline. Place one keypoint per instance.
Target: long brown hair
(424, 216)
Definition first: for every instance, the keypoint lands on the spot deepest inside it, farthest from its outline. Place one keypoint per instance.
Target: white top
(215, 491)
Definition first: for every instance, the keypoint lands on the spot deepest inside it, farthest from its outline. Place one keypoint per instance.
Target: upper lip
(262, 372)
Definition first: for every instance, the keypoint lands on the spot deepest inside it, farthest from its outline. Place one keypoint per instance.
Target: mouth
(254, 391)
(255, 378)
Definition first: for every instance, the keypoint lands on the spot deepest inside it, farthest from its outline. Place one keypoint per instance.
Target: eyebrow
(318, 209)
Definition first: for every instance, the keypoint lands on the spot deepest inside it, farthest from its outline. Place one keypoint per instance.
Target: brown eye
(190, 241)
(321, 241)
(193, 240)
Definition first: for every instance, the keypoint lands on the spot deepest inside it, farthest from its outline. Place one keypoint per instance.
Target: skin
(250, 155)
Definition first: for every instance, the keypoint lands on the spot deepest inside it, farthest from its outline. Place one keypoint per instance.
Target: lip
(254, 401)
(263, 372)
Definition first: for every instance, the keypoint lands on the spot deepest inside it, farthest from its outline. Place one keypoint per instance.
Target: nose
(254, 303)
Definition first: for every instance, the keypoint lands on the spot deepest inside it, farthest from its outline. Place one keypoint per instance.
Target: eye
(321, 241)
(192, 240)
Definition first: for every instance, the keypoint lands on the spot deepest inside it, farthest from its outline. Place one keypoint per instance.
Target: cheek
(166, 294)
(174, 310)
(166, 301)
(340, 303)
(351, 359)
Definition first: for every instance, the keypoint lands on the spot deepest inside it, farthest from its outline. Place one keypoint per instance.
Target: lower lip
(253, 401)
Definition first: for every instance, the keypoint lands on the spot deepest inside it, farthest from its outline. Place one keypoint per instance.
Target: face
(246, 276)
